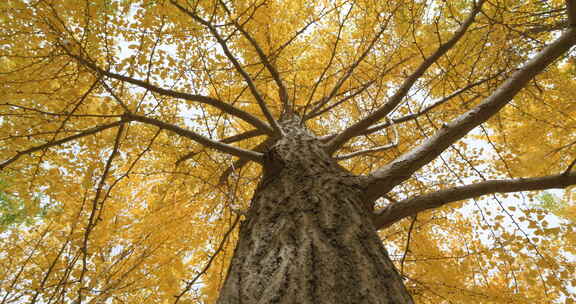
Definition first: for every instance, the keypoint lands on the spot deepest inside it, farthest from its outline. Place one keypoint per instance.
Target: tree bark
(308, 237)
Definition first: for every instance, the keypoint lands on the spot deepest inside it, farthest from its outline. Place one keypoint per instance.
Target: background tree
(145, 125)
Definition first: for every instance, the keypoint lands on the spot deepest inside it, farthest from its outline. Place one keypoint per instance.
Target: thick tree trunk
(308, 237)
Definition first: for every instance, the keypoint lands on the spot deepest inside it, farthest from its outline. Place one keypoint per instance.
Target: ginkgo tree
(287, 151)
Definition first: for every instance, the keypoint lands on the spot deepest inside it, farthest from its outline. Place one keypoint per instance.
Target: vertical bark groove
(308, 237)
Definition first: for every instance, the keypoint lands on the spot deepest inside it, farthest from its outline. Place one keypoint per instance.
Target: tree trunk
(308, 237)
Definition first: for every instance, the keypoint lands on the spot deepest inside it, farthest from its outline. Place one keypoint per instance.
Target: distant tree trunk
(308, 237)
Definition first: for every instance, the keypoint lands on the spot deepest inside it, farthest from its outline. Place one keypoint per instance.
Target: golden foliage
(129, 221)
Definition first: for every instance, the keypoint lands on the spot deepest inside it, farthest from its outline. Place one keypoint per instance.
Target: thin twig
(93, 219)
(406, 249)
(567, 171)
(191, 283)
(393, 144)
(61, 141)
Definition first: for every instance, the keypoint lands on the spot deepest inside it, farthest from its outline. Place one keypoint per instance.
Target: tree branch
(397, 211)
(282, 92)
(358, 127)
(570, 21)
(191, 283)
(329, 64)
(227, 140)
(60, 141)
(93, 219)
(375, 149)
(571, 12)
(548, 27)
(394, 173)
(352, 67)
(429, 108)
(237, 66)
(249, 118)
(239, 152)
(237, 165)
(393, 121)
(317, 110)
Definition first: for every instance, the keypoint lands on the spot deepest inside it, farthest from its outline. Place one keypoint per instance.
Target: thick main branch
(357, 128)
(399, 170)
(397, 211)
(207, 142)
(226, 108)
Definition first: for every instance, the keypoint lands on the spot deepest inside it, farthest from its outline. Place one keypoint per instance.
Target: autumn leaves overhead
(134, 123)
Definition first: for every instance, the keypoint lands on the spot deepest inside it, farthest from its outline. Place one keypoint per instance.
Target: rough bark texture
(307, 237)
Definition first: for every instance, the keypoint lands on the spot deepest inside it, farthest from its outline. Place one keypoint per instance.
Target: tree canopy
(132, 131)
